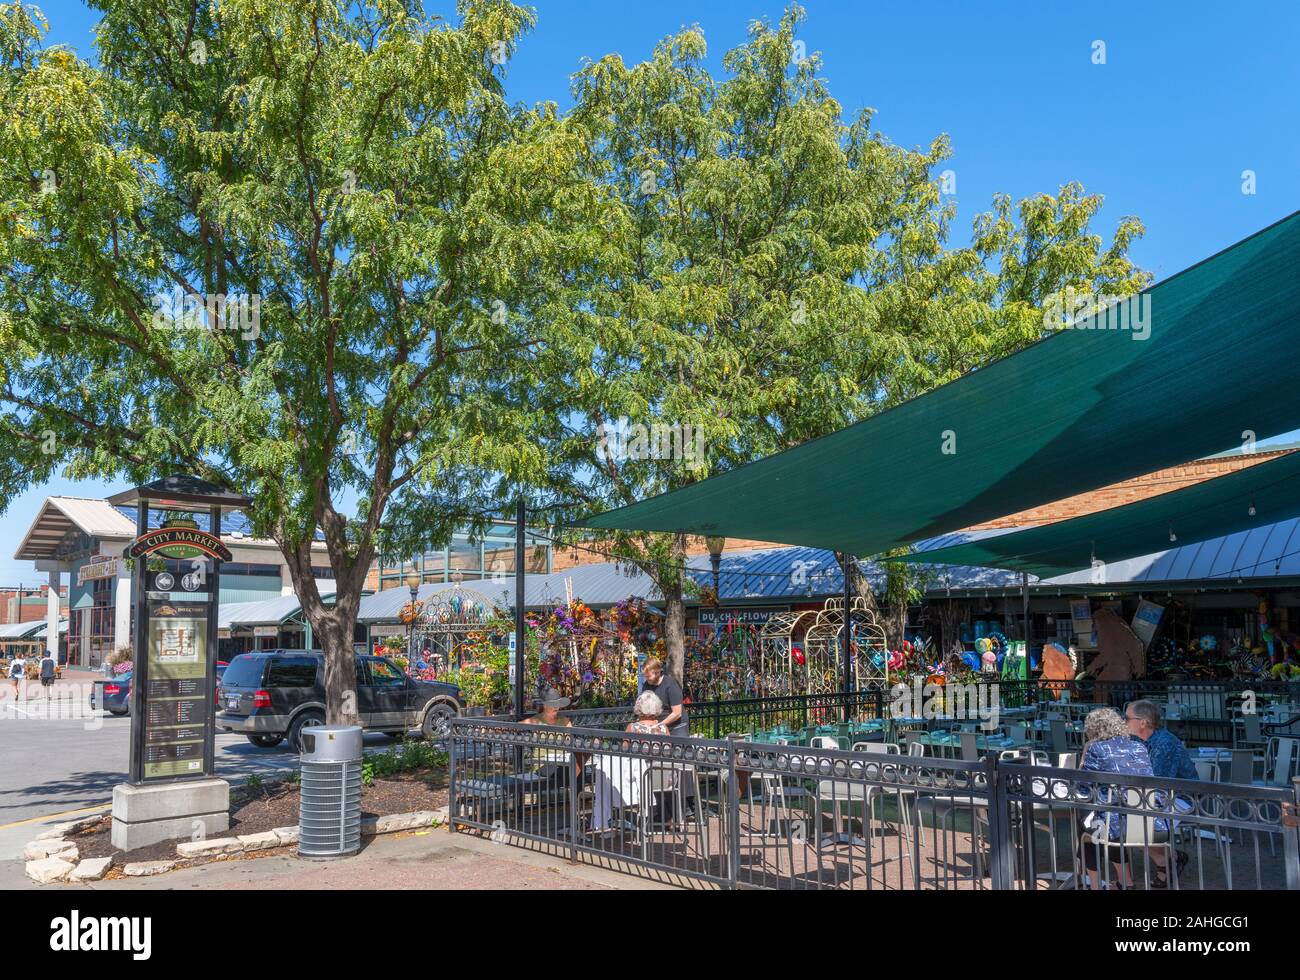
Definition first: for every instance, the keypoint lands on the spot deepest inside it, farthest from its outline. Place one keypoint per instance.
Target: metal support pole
(520, 635)
(848, 626)
(1029, 626)
(141, 645)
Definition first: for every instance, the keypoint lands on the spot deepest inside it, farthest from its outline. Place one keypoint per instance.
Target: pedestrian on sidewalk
(47, 674)
(17, 673)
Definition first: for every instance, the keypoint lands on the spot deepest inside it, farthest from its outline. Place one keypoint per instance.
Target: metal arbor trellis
(823, 645)
(777, 662)
(445, 623)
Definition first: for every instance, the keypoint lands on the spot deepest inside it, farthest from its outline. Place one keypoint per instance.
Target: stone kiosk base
(190, 810)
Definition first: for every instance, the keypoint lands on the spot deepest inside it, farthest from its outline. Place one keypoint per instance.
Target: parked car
(272, 695)
(114, 695)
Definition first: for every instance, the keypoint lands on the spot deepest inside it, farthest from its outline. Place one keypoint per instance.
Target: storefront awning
(1263, 494)
(1078, 410)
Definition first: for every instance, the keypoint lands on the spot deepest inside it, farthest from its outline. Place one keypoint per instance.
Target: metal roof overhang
(1078, 410)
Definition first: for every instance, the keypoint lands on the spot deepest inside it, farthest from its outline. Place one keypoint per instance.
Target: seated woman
(554, 763)
(549, 705)
(616, 779)
(1108, 748)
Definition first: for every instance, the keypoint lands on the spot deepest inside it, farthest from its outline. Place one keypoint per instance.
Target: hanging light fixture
(1251, 509)
(1172, 535)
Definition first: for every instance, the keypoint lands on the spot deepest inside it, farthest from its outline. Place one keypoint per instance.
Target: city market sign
(178, 542)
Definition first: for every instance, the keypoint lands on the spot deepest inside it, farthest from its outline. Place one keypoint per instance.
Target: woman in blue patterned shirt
(1109, 749)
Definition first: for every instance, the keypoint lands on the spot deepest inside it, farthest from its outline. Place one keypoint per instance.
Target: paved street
(60, 757)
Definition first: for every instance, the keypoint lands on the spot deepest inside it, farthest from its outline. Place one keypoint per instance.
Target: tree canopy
(313, 252)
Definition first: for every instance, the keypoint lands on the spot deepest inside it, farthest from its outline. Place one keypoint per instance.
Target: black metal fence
(730, 813)
(718, 719)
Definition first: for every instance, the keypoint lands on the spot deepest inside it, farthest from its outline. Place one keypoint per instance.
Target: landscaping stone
(51, 847)
(403, 821)
(287, 835)
(209, 848)
(257, 842)
(143, 869)
(91, 869)
(46, 870)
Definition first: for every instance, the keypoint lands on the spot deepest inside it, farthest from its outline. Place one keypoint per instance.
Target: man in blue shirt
(1169, 758)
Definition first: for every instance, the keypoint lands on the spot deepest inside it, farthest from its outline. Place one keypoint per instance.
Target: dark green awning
(1078, 410)
(1197, 513)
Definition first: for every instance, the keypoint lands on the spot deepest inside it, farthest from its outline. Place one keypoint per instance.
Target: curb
(56, 868)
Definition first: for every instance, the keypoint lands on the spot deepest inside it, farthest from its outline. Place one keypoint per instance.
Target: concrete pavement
(59, 760)
(421, 860)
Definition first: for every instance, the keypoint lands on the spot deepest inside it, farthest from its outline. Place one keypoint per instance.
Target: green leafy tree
(771, 272)
(301, 249)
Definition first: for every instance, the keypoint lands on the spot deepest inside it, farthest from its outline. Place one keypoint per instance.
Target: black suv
(271, 695)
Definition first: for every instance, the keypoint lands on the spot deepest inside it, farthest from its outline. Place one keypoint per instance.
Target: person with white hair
(616, 779)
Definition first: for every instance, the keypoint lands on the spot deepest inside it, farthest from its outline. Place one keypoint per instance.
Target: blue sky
(1191, 95)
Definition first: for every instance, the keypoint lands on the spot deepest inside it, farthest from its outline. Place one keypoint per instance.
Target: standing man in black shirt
(670, 693)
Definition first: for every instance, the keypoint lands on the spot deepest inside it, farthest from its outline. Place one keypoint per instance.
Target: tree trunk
(335, 639)
(332, 626)
(895, 624)
(675, 613)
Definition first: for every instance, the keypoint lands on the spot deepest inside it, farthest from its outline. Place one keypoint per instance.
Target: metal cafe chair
(1281, 760)
(1241, 767)
(1138, 834)
(1247, 732)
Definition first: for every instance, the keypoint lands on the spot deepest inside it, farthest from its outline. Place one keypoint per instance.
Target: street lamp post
(715, 544)
(412, 583)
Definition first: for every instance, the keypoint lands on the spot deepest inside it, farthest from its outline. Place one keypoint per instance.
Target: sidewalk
(428, 859)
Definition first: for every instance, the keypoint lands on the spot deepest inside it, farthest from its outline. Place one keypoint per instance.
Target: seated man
(1169, 758)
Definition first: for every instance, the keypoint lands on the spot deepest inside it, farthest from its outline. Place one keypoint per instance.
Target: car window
(292, 672)
(244, 671)
(385, 674)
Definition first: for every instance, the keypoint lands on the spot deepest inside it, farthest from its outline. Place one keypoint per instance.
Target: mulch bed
(258, 810)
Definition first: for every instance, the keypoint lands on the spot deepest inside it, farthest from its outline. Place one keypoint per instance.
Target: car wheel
(437, 720)
(308, 719)
(119, 714)
(266, 741)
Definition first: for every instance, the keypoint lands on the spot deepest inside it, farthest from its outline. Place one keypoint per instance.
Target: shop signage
(266, 631)
(741, 615)
(173, 734)
(97, 567)
(178, 698)
(178, 542)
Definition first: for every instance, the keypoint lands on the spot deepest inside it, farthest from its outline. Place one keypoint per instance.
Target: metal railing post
(451, 779)
(733, 816)
(1291, 839)
(1001, 861)
(574, 816)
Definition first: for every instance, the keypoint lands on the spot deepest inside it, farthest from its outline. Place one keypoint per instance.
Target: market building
(77, 542)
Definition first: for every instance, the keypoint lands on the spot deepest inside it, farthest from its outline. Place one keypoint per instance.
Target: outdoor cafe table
(946, 744)
(857, 731)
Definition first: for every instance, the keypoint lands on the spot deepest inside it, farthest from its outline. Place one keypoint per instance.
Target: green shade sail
(1207, 510)
(1078, 410)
